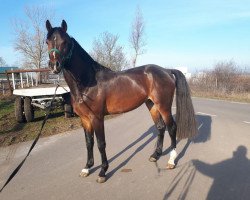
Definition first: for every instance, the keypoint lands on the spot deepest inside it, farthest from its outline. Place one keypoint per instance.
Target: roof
(2, 69)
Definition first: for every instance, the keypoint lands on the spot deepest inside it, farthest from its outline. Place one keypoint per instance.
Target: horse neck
(80, 71)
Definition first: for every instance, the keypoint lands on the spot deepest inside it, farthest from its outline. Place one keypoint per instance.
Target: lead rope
(33, 144)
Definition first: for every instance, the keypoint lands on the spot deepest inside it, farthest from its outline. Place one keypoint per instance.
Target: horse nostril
(57, 64)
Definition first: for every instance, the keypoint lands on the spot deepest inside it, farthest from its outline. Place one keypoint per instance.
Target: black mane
(97, 66)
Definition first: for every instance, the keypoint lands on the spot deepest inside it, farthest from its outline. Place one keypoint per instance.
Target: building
(184, 70)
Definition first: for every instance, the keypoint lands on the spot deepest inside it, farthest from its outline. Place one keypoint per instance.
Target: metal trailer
(36, 88)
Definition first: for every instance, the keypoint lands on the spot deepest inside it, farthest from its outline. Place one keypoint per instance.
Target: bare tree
(226, 74)
(2, 62)
(137, 36)
(224, 78)
(107, 52)
(31, 37)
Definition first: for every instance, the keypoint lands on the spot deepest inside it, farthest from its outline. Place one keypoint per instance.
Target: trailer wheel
(68, 111)
(28, 109)
(19, 110)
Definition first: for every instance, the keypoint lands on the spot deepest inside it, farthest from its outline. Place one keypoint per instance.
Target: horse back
(127, 90)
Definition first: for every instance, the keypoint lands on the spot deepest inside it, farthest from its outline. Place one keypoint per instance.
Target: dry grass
(239, 97)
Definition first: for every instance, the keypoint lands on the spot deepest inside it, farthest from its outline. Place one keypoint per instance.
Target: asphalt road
(215, 165)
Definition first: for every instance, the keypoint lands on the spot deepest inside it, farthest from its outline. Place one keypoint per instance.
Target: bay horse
(97, 91)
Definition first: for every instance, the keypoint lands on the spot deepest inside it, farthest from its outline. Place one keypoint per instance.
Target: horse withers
(97, 91)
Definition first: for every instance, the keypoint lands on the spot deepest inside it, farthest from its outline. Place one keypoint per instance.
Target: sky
(195, 34)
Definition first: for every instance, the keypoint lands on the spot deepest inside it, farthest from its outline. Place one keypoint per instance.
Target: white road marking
(246, 122)
(242, 103)
(206, 114)
(200, 126)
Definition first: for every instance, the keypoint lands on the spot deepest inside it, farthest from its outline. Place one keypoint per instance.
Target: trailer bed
(36, 88)
(41, 90)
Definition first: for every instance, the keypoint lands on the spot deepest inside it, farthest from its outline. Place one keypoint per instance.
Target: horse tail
(185, 116)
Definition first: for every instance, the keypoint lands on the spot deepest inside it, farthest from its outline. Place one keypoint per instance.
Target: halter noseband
(64, 58)
(54, 50)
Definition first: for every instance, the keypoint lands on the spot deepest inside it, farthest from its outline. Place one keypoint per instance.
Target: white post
(31, 77)
(21, 76)
(27, 77)
(13, 81)
(37, 75)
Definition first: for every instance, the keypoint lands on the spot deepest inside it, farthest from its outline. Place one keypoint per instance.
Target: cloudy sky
(180, 33)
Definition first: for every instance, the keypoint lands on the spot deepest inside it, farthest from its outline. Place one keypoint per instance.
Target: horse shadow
(152, 131)
(204, 125)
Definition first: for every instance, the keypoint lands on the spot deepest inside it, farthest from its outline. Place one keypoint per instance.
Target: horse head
(60, 46)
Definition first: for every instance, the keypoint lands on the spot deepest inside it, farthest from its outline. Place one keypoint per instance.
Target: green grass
(13, 132)
(6, 107)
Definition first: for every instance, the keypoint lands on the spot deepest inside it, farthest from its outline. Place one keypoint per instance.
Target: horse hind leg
(161, 127)
(171, 125)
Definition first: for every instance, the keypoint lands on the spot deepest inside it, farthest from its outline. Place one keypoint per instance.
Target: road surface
(215, 165)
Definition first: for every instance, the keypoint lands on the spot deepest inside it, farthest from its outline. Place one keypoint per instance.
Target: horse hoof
(170, 166)
(84, 173)
(101, 179)
(152, 159)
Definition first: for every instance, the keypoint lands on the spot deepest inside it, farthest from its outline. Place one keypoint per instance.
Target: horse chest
(86, 107)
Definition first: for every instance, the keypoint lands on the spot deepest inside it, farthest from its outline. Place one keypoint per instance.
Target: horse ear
(64, 25)
(48, 25)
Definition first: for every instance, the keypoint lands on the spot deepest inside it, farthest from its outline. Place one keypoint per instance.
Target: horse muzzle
(55, 67)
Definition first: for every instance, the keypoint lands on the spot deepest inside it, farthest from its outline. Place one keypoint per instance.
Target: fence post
(27, 77)
(21, 76)
(31, 77)
(3, 89)
(8, 79)
(13, 81)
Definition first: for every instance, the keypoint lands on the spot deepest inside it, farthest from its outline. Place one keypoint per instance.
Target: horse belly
(120, 102)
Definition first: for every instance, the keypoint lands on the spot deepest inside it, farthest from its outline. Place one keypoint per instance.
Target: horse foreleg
(100, 136)
(89, 137)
